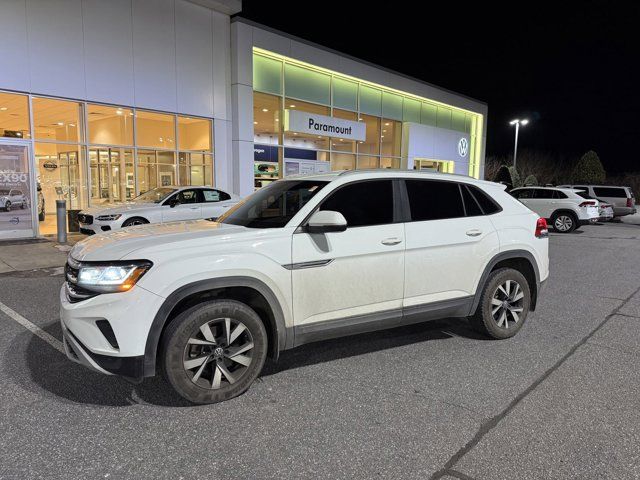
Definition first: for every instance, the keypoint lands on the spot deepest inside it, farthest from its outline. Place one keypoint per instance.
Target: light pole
(517, 123)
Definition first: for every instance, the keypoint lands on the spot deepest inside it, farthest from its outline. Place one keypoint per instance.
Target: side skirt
(315, 332)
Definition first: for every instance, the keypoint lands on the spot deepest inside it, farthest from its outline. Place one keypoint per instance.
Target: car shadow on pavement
(41, 367)
(364, 343)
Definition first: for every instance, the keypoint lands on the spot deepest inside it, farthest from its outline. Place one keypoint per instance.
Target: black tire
(175, 350)
(564, 222)
(134, 221)
(488, 315)
(7, 206)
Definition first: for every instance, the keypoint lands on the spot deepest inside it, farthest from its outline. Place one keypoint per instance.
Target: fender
(505, 256)
(159, 321)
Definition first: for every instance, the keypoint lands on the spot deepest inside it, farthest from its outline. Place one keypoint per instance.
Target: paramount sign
(310, 123)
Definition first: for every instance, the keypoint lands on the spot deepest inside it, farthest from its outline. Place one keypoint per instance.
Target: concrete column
(242, 107)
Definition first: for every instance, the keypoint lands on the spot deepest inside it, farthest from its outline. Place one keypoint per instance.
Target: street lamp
(517, 122)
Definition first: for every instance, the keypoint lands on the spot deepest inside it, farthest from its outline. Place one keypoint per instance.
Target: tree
(589, 169)
(508, 176)
(531, 181)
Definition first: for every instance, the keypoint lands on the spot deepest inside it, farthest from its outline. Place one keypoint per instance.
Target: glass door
(18, 202)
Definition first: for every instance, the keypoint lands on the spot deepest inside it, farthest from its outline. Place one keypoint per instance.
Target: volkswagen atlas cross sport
(301, 260)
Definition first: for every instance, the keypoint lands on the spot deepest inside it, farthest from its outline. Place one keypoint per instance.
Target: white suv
(565, 209)
(301, 260)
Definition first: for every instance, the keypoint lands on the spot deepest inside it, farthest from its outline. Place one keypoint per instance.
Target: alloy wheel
(563, 223)
(219, 353)
(507, 303)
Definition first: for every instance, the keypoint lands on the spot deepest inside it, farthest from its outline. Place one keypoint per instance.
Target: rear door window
(434, 200)
(543, 194)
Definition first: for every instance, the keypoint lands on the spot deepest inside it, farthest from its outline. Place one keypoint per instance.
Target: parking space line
(491, 423)
(32, 327)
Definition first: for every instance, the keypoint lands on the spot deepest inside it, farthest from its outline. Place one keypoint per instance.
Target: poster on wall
(15, 191)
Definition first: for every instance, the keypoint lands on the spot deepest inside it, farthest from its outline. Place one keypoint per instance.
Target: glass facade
(90, 154)
(282, 84)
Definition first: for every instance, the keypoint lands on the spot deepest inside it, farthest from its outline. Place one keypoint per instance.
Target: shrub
(531, 181)
(589, 169)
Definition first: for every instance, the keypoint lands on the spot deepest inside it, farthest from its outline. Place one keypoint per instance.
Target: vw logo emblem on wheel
(463, 147)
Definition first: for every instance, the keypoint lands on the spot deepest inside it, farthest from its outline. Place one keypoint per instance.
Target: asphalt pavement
(560, 400)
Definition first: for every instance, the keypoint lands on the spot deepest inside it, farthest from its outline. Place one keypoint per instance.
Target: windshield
(156, 195)
(274, 205)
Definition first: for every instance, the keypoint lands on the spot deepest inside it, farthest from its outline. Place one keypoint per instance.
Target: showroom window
(59, 155)
(111, 157)
(14, 116)
(93, 154)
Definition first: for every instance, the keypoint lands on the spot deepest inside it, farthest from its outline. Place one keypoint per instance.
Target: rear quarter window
(614, 192)
(488, 204)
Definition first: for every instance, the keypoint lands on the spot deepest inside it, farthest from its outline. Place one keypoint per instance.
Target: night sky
(572, 69)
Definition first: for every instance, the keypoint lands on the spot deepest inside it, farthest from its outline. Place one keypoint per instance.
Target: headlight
(108, 218)
(111, 278)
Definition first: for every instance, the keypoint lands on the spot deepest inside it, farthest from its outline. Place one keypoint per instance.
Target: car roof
(390, 173)
(565, 189)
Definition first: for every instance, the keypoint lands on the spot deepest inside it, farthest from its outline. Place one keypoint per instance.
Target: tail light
(629, 202)
(587, 204)
(542, 231)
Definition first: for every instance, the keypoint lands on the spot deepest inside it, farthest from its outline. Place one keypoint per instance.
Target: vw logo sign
(463, 147)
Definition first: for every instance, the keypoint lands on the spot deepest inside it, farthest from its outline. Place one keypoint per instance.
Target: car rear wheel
(504, 304)
(214, 351)
(564, 222)
(135, 221)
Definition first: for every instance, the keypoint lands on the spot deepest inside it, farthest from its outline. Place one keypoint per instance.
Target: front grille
(75, 293)
(85, 219)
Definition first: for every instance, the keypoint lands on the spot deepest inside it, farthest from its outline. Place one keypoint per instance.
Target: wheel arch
(564, 210)
(251, 291)
(520, 260)
(134, 217)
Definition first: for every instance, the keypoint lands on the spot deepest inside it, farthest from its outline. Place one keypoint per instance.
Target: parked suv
(622, 199)
(566, 210)
(301, 260)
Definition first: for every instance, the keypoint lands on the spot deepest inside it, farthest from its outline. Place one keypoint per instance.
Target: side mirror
(325, 221)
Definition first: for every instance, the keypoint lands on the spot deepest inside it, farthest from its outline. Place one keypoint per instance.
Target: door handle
(193, 208)
(474, 232)
(391, 241)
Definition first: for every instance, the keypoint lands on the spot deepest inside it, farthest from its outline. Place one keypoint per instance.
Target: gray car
(621, 198)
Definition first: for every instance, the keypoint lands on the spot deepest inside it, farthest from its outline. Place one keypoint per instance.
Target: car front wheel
(7, 206)
(504, 304)
(214, 351)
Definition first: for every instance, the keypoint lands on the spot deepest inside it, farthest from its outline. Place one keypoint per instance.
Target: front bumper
(99, 227)
(129, 315)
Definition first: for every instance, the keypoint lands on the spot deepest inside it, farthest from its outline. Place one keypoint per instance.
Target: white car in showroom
(301, 260)
(159, 205)
(564, 207)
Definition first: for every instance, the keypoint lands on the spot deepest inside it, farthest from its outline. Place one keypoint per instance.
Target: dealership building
(102, 100)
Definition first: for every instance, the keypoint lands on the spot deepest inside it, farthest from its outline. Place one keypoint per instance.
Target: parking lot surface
(560, 400)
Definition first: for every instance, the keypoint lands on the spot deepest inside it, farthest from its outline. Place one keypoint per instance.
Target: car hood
(118, 208)
(118, 244)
